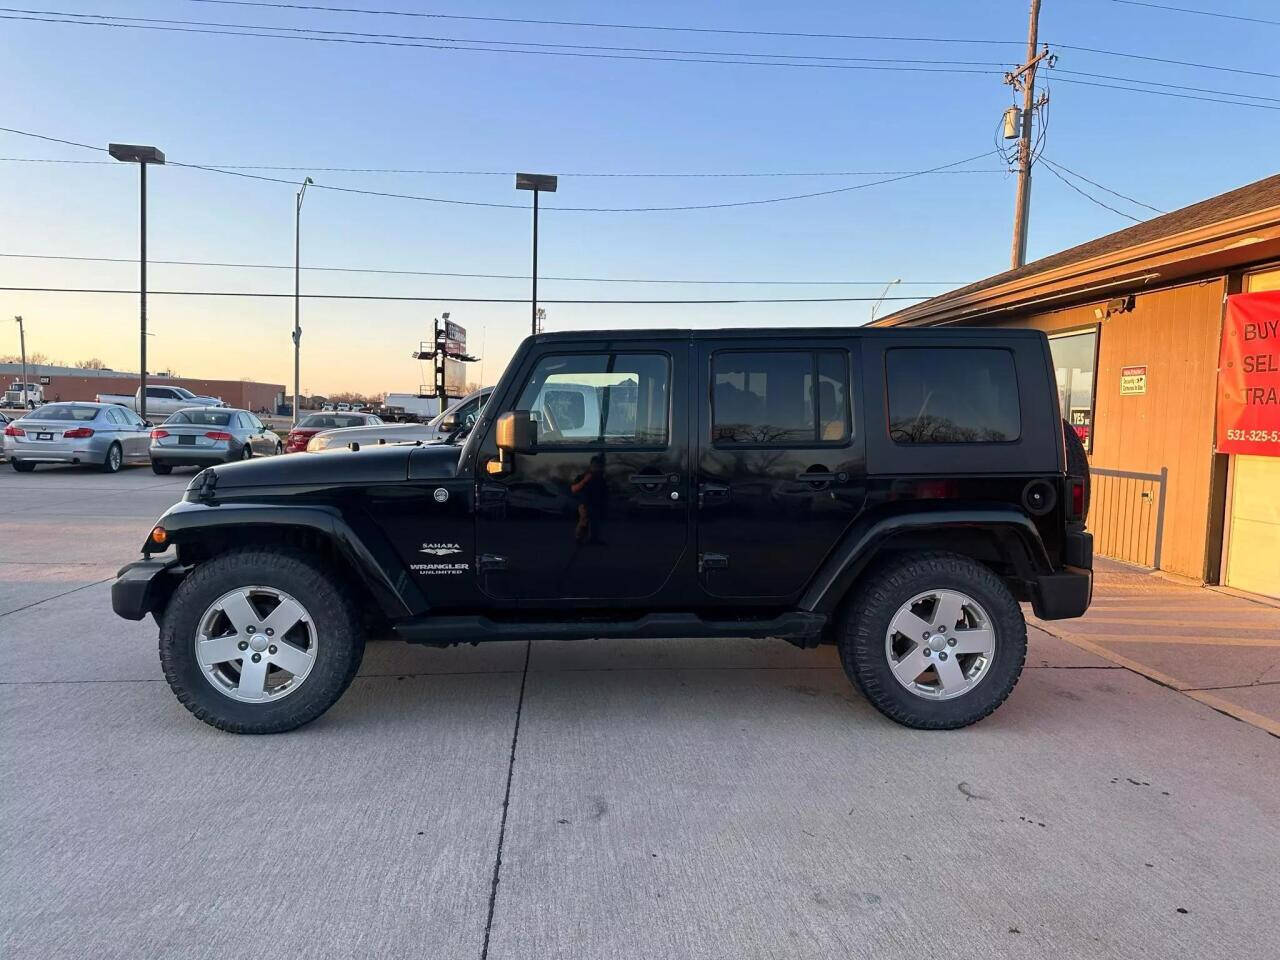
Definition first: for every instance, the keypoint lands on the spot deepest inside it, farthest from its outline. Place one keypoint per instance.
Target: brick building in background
(72, 383)
(1135, 323)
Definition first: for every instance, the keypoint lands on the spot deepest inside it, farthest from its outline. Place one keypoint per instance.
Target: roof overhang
(1218, 247)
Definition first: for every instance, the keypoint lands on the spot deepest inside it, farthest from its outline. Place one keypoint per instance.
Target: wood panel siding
(1174, 332)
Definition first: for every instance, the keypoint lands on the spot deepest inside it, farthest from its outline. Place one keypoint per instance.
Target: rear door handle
(816, 477)
(710, 494)
(653, 479)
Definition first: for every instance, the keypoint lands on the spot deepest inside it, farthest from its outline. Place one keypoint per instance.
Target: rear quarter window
(952, 395)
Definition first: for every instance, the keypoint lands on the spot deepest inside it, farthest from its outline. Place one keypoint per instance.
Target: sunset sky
(214, 99)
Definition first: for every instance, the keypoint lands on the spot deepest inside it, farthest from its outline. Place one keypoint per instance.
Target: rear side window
(779, 398)
(952, 395)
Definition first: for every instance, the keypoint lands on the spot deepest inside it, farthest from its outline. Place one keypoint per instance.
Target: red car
(309, 426)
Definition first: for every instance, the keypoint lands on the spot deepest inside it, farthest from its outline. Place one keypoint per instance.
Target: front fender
(1018, 540)
(361, 544)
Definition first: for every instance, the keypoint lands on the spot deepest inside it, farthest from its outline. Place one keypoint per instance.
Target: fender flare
(366, 550)
(1016, 535)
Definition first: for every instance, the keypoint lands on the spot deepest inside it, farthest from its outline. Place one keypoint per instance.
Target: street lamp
(297, 295)
(537, 182)
(883, 293)
(142, 156)
(22, 346)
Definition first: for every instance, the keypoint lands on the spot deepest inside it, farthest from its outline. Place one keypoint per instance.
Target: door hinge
(712, 561)
(487, 562)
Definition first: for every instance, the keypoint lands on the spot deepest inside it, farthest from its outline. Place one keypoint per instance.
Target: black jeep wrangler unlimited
(894, 492)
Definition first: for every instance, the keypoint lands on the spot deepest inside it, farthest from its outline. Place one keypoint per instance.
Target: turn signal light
(78, 433)
(1077, 499)
(159, 536)
(159, 434)
(218, 435)
(12, 431)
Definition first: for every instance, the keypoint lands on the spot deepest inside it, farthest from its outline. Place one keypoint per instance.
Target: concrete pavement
(721, 799)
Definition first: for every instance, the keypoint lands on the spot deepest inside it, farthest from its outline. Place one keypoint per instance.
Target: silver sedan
(104, 435)
(202, 436)
(461, 415)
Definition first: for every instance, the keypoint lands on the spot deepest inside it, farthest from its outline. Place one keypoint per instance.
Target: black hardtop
(578, 337)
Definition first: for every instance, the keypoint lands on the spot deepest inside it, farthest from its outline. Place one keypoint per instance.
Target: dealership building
(73, 383)
(1184, 449)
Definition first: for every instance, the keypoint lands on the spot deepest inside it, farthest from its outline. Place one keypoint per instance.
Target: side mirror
(449, 424)
(517, 432)
(147, 423)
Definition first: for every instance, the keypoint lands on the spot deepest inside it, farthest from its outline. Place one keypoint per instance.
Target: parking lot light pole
(22, 347)
(297, 297)
(537, 182)
(142, 156)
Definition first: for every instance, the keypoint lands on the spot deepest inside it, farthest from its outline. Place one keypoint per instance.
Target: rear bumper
(191, 457)
(1067, 592)
(143, 587)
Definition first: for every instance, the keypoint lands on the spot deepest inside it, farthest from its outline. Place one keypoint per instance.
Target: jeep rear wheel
(935, 642)
(259, 641)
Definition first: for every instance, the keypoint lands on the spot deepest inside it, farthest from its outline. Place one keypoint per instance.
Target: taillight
(218, 435)
(12, 431)
(159, 434)
(1077, 499)
(78, 433)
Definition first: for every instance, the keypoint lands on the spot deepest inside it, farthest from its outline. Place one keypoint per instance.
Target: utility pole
(22, 346)
(1024, 79)
(297, 297)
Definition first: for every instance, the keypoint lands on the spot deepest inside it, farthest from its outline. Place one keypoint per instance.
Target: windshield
(330, 421)
(64, 411)
(203, 418)
(183, 392)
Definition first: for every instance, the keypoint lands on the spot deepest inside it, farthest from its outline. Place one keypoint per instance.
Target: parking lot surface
(708, 799)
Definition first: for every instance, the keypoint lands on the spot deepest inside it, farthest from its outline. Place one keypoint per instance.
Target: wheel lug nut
(925, 635)
(248, 629)
(270, 632)
(257, 657)
(271, 649)
(243, 645)
(951, 641)
(942, 655)
(927, 651)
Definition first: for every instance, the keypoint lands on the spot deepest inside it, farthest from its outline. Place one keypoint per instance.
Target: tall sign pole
(1024, 79)
(537, 182)
(22, 346)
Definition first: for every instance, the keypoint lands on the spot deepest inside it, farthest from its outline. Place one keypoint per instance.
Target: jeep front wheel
(259, 641)
(935, 642)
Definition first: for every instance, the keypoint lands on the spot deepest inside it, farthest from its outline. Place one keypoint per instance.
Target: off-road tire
(23, 466)
(161, 469)
(1077, 462)
(865, 623)
(336, 619)
(112, 464)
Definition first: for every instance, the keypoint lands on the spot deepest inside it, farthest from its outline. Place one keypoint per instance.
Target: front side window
(608, 399)
(1073, 366)
(952, 395)
(779, 398)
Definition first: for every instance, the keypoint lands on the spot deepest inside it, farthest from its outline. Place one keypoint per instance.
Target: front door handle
(816, 478)
(653, 480)
(712, 494)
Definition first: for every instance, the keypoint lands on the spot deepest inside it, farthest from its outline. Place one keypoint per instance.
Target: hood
(387, 464)
(390, 432)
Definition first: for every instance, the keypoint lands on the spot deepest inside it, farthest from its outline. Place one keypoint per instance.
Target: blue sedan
(104, 435)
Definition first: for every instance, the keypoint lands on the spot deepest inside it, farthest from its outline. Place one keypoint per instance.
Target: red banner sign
(1249, 376)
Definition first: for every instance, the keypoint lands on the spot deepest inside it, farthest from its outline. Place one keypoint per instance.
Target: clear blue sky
(214, 99)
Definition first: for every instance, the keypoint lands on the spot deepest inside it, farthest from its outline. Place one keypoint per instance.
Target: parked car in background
(200, 436)
(412, 406)
(18, 399)
(5, 420)
(460, 416)
(161, 401)
(309, 426)
(344, 408)
(104, 435)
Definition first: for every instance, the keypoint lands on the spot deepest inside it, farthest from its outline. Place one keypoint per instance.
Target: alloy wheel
(940, 644)
(256, 644)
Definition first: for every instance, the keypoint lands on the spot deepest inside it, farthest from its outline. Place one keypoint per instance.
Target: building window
(1073, 363)
(952, 395)
(779, 398)
(606, 399)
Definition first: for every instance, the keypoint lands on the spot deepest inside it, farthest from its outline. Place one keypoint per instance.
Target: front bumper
(143, 587)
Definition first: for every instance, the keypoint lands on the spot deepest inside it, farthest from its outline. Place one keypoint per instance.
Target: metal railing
(1126, 514)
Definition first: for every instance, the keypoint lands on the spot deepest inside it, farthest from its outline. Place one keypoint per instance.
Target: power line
(370, 296)
(1166, 60)
(1081, 176)
(481, 276)
(501, 43)
(516, 206)
(1166, 93)
(1090, 197)
(474, 49)
(512, 173)
(1202, 13)
(1171, 86)
(609, 26)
